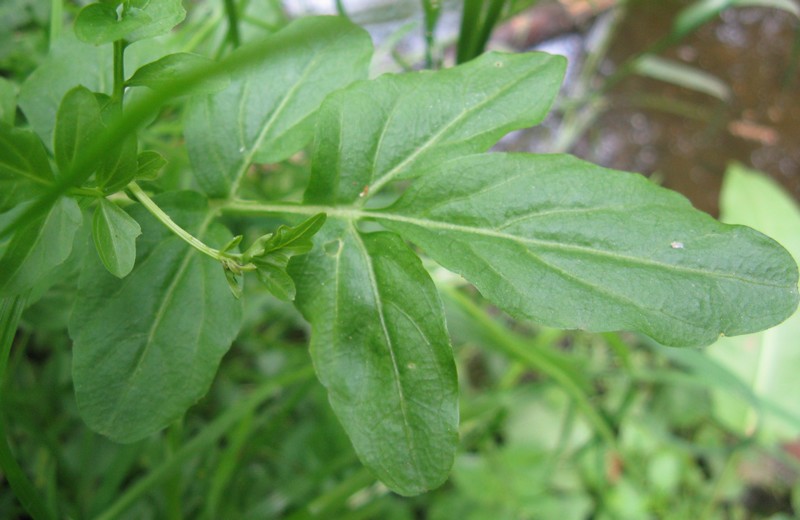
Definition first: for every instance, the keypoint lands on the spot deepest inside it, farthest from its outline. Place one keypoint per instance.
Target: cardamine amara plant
(399, 168)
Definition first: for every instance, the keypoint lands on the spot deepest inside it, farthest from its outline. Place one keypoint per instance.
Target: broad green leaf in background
(78, 122)
(143, 357)
(766, 361)
(271, 254)
(380, 347)
(69, 64)
(160, 72)
(114, 233)
(386, 129)
(572, 245)
(24, 167)
(266, 113)
(38, 247)
(8, 101)
(100, 23)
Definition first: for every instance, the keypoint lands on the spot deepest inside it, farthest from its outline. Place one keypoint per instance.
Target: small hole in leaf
(412, 366)
(333, 248)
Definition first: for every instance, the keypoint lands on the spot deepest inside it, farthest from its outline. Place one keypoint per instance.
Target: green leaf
(114, 233)
(119, 167)
(100, 23)
(572, 245)
(149, 164)
(271, 254)
(266, 114)
(146, 355)
(681, 75)
(160, 72)
(69, 64)
(8, 101)
(703, 11)
(765, 361)
(386, 129)
(78, 122)
(38, 247)
(24, 167)
(164, 15)
(381, 349)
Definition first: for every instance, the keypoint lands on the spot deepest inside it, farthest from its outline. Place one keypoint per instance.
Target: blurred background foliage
(696, 94)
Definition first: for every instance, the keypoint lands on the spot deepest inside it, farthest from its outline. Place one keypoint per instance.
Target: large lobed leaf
(381, 349)
(266, 114)
(144, 355)
(385, 129)
(572, 245)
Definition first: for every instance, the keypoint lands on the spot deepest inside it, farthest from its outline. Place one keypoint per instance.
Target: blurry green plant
(398, 158)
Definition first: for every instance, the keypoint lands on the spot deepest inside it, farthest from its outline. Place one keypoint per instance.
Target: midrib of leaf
(379, 307)
(251, 153)
(353, 214)
(457, 228)
(167, 299)
(605, 291)
(395, 171)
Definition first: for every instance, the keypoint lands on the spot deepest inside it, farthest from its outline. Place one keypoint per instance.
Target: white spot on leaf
(676, 245)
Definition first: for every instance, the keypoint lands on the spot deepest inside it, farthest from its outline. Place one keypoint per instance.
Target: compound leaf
(266, 114)
(144, 356)
(381, 349)
(376, 131)
(572, 245)
(114, 233)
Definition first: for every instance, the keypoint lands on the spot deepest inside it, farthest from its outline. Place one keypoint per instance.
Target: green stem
(202, 441)
(165, 219)
(334, 499)
(56, 20)
(119, 71)
(534, 357)
(233, 23)
(10, 313)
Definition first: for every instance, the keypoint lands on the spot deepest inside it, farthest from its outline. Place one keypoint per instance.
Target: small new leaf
(160, 73)
(271, 254)
(149, 164)
(114, 233)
